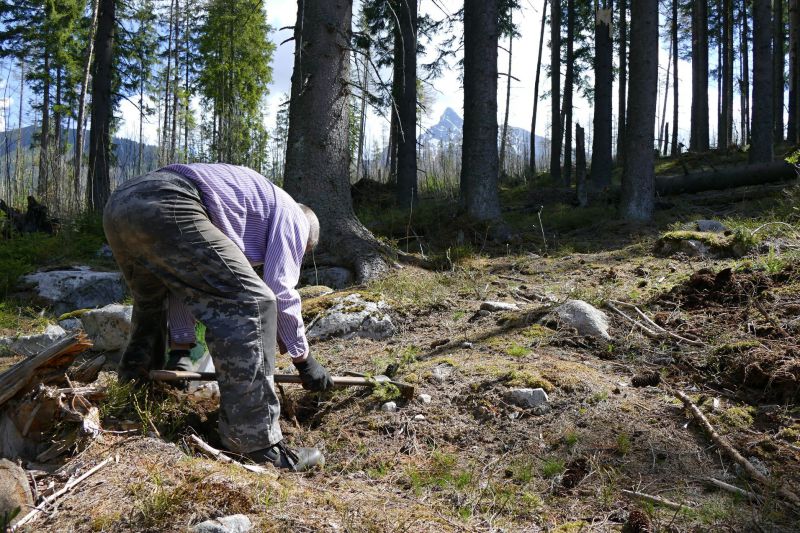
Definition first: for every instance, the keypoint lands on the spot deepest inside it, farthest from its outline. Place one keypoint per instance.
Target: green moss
(736, 347)
(527, 379)
(516, 350)
(552, 466)
(713, 240)
(737, 417)
(537, 331)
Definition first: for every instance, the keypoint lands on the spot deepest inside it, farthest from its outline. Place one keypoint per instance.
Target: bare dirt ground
(470, 460)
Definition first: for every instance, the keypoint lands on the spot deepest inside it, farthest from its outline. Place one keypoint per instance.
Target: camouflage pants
(165, 243)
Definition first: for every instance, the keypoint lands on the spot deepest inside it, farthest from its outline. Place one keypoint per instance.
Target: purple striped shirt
(268, 226)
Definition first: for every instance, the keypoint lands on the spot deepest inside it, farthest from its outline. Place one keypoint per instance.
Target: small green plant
(570, 439)
(385, 392)
(516, 350)
(598, 397)
(624, 444)
(522, 470)
(552, 467)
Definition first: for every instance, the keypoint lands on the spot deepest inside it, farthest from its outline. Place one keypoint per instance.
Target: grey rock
(694, 248)
(389, 407)
(440, 373)
(334, 277)
(109, 326)
(71, 324)
(29, 345)
(76, 288)
(352, 316)
(424, 398)
(585, 318)
(493, 307)
(419, 417)
(15, 493)
(237, 523)
(528, 398)
(467, 345)
(711, 226)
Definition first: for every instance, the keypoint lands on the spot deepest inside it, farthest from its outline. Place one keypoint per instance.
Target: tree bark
(794, 71)
(504, 135)
(18, 172)
(479, 158)
(726, 178)
(623, 78)
(662, 140)
(164, 148)
(761, 150)
(98, 185)
(580, 167)
(674, 78)
(745, 85)
(79, 131)
(699, 140)
(778, 62)
(318, 154)
(602, 162)
(407, 104)
(638, 183)
(569, 83)
(174, 134)
(532, 163)
(555, 91)
(44, 141)
(726, 123)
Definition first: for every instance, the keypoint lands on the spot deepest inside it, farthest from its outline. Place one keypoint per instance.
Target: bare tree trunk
(555, 91)
(778, 62)
(793, 133)
(479, 158)
(504, 136)
(362, 115)
(661, 139)
(569, 83)
(532, 163)
(602, 163)
(727, 75)
(164, 149)
(745, 86)
(623, 78)
(580, 167)
(407, 105)
(638, 183)
(674, 78)
(175, 84)
(761, 150)
(186, 59)
(44, 142)
(18, 170)
(699, 141)
(318, 154)
(98, 185)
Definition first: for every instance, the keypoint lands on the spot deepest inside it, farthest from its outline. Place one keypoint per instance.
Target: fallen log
(47, 364)
(726, 178)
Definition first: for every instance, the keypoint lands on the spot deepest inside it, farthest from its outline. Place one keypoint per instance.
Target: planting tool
(338, 381)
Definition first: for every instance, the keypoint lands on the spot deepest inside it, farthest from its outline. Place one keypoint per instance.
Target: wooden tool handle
(180, 375)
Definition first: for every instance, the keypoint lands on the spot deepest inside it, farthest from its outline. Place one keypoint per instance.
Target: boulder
(15, 493)
(705, 244)
(585, 318)
(75, 288)
(71, 324)
(314, 291)
(353, 316)
(528, 398)
(237, 523)
(29, 345)
(334, 277)
(499, 306)
(108, 327)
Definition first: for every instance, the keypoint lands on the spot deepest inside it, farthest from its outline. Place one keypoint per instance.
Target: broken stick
(56, 495)
(655, 499)
(726, 447)
(205, 448)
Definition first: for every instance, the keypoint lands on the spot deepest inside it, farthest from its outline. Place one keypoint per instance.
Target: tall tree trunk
(699, 139)
(602, 162)
(175, 84)
(18, 170)
(407, 105)
(504, 135)
(44, 143)
(164, 149)
(580, 167)
(661, 138)
(794, 71)
(761, 150)
(555, 91)
(479, 158)
(745, 86)
(727, 75)
(778, 62)
(317, 153)
(638, 183)
(362, 114)
(623, 78)
(674, 78)
(98, 185)
(532, 163)
(140, 148)
(186, 59)
(569, 85)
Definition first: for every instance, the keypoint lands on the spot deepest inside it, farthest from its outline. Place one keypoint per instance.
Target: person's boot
(179, 360)
(281, 456)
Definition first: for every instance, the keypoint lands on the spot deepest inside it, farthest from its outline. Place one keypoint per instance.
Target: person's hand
(313, 375)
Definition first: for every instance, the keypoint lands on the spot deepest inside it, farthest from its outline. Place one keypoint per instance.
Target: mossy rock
(314, 291)
(706, 244)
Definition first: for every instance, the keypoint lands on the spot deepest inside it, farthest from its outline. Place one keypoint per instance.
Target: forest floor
(475, 462)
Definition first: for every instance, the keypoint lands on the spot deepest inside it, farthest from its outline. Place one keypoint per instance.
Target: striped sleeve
(284, 255)
(181, 322)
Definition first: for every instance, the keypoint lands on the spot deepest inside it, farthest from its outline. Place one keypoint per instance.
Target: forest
(559, 240)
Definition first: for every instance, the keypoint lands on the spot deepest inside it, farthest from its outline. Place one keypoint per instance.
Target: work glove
(313, 375)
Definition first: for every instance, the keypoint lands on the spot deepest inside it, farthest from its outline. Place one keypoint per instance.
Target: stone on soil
(585, 318)
(71, 324)
(528, 397)
(353, 316)
(424, 398)
(389, 407)
(75, 288)
(334, 277)
(493, 307)
(29, 345)
(109, 326)
(237, 523)
(15, 493)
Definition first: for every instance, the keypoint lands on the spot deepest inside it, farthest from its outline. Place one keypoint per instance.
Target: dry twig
(731, 488)
(657, 331)
(205, 448)
(655, 499)
(725, 446)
